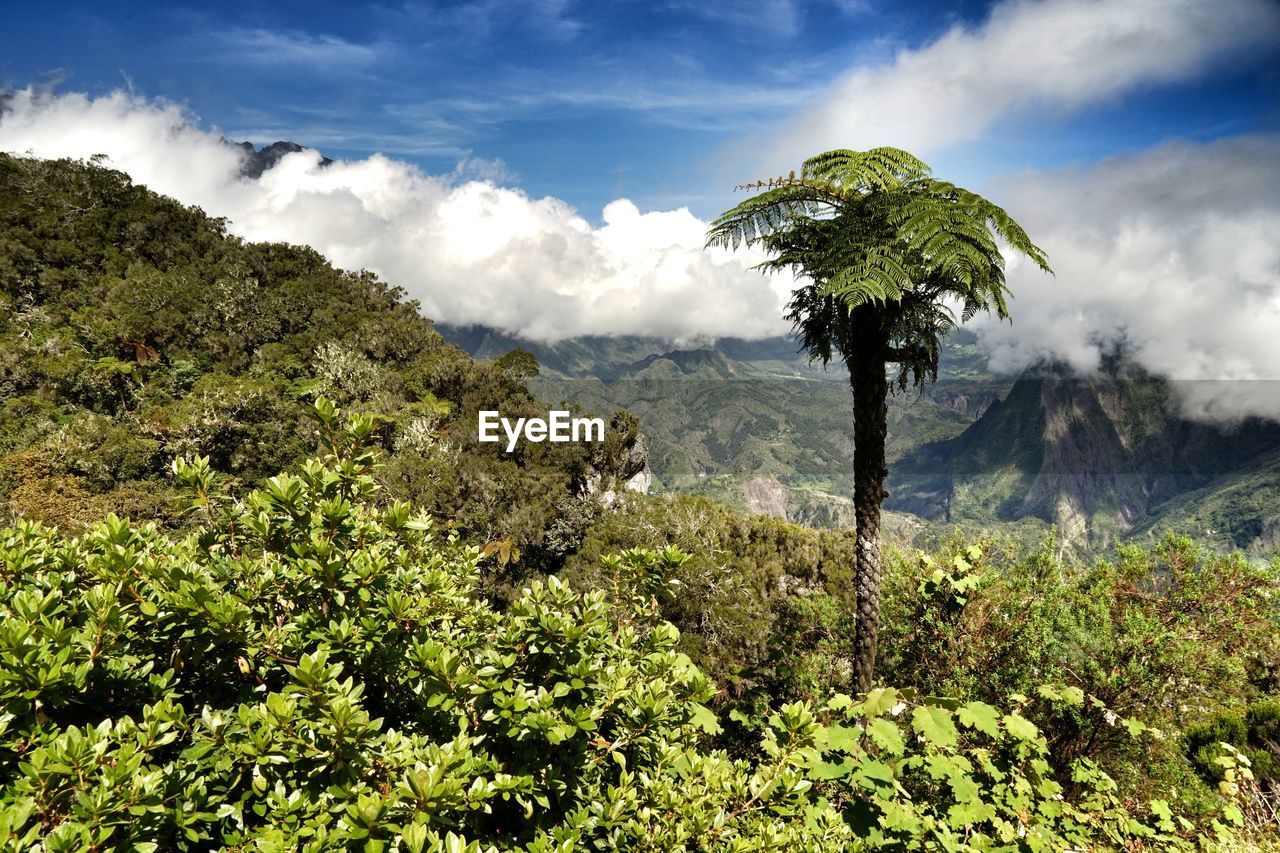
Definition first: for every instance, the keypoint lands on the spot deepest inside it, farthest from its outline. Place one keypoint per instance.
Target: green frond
(868, 171)
(991, 216)
(873, 231)
(769, 212)
(878, 277)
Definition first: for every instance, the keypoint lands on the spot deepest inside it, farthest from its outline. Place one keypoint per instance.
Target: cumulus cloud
(1171, 252)
(471, 251)
(1061, 54)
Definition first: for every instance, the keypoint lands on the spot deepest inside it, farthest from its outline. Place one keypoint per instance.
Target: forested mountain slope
(134, 330)
(1103, 458)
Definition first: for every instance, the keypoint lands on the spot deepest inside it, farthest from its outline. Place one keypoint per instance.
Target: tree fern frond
(878, 277)
(994, 217)
(768, 212)
(876, 169)
(874, 231)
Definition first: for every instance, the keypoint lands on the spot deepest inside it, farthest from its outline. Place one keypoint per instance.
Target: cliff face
(1109, 454)
(629, 473)
(766, 496)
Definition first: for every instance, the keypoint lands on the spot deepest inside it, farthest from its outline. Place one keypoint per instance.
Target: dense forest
(261, 588)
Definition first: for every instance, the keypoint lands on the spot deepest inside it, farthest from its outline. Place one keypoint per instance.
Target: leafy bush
(311, 669)
(924, 773)
(1255, 734)
(743, 604)
(1166, 636)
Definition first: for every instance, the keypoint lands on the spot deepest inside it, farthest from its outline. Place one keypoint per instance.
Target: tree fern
(891, 229)
(882, 250)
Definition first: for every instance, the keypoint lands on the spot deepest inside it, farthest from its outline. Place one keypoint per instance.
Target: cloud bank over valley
(1171, 252)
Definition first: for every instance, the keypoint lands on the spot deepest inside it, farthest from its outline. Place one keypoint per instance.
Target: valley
(1097, 460)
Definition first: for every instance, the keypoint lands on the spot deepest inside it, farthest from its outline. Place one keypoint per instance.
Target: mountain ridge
(1101, 458)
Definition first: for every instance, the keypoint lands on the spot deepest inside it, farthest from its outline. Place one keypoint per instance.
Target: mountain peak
(259, 160)
(708, 363)
(1104, 454)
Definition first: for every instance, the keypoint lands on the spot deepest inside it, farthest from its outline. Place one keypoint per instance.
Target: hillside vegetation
(260, 588)
(134, 330)
(310, 669)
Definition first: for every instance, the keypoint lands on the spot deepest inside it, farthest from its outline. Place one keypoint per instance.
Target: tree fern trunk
(870, 428)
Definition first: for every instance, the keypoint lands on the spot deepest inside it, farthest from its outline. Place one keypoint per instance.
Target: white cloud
(472, 251)
(1061, 54)
(269, 47)
(1172, 251)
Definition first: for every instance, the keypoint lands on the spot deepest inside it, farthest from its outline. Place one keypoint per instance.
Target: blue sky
(586, 101)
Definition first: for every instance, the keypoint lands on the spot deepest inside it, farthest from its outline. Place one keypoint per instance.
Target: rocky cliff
(1106, 454)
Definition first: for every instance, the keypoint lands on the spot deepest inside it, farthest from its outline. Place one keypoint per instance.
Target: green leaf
(826, 770)
(879, 701)
(980, 716)
(843, 738)
(1134, 727)
(962, 815)
(886, 735)
(873, 774)
(705, 719)
(1020, 727)
(934, 724)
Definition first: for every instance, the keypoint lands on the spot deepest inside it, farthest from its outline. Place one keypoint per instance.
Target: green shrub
(1255, 733)
(1164, 635)
(312, 669)
(919, 773)
(756, 591)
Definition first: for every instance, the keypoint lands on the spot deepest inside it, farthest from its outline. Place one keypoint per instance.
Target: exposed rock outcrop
(767, 497)
(631, 474)
(259, 160)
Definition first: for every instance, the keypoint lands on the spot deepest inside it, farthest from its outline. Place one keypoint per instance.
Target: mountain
(259, 160)
(698, 363)
(752, 425)
(1102, 458)
(625, 356)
